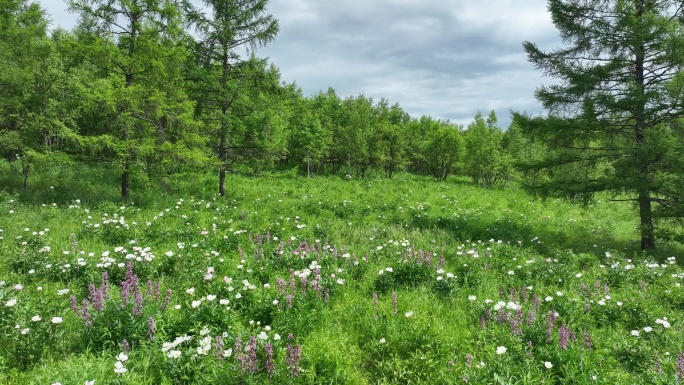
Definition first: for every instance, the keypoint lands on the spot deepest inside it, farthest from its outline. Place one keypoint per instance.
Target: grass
(328, 280)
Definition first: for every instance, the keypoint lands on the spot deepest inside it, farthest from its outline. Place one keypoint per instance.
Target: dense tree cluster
(155, 87)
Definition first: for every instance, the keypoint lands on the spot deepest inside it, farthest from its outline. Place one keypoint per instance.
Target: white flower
(635, 333)
(262, 336)
(439, 278)
(501, 350)
(578, 275)
(170, 253)
(275, 302)
(238, 296)
(382, 340)
(177, 307)
(211, 297)
(119, 368)
(409, 314)
(11, 302)
(648, 329)
(388, 269)
(227, 353)
(548, 298)
(35, 318)
(224, 301)
(174, 354)
(190, 290)
(340, 281)
(195, 304)
(62, 292)
(472, 298)
(602, 303)
(122, 357)
(89, 382)
(560, 294)
(276, 337)
(25, 331)
(548, 365)
(56, 320)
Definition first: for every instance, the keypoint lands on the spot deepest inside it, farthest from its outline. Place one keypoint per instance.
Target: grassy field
(328, 280)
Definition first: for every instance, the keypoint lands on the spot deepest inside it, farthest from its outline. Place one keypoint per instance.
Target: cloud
(444, 58)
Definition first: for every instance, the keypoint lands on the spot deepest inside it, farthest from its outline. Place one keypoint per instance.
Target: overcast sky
(443, 58)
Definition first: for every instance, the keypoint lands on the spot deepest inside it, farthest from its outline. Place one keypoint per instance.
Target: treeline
(158, 87)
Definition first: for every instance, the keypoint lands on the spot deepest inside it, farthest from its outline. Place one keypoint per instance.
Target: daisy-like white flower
(122, 357)
(174, 354)
(501, 350)
(472, 298)
(635, 333)
(548, 365)
(11, 302)
(382, 340)
(56, 320)
(409, 314)
(35, 318)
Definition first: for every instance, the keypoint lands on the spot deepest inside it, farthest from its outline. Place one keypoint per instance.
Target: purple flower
(293, 356)
(150, 327)
(125, 346)
(563, 337)
(268, 358)
(680, 366)
(167, 299)
(375, 304)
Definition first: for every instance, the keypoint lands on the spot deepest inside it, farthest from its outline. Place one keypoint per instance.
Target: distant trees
(616, 107)
(157, 87)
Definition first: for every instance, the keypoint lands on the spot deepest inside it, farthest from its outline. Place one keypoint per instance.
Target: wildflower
(409, 314)
(276, 337)
(501, 350)
(211, 297)
(190, 290)
(11, 302)
(62, 292)
(472, 298)
(119, 368)
(122, 357)
(648, 329)
(275, 302)
(35, 318)
(25, 331)
(548, 298)
(548, 365)
(18, 287)
(382, 340)
(635, 333)
(174, 354)
(262, 336)
(56, 320)
(196, 304)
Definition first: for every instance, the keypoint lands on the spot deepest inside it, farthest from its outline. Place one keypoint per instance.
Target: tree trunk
(222, 168)
(643, 191)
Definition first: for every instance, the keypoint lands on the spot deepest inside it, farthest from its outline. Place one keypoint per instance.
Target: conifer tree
(618, 90)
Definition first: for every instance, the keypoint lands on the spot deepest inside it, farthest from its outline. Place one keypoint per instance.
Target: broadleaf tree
(618, 90)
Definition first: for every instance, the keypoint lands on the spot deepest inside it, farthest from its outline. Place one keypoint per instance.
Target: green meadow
(327, 280)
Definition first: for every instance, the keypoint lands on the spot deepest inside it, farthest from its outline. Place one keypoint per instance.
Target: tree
(136, 44)
(486, 162)
(231, 26)
(445, 150)
(620, 87)
(36, 98)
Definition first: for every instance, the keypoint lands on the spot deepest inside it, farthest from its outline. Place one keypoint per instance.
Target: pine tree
(618, 92)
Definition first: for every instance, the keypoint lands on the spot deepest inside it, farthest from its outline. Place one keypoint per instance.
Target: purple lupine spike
(125, 346)
(137, 304)
(85, 314)
(531, 317)
(563, 337)
(326, 298)
(104, 285)
(588, 343)
(167, 299)
(252, 363)
(151, 328)
(268, 360)
(469, 359)
(288, 299)
(303, 282)
(680, 367)
(219, 348)
(73, 304)
(293, 356)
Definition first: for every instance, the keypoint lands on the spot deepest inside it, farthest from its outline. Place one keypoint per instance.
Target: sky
(444, 58)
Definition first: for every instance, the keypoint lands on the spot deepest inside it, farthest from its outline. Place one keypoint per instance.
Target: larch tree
(228, 31)
(137, 46)
(614, 105)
